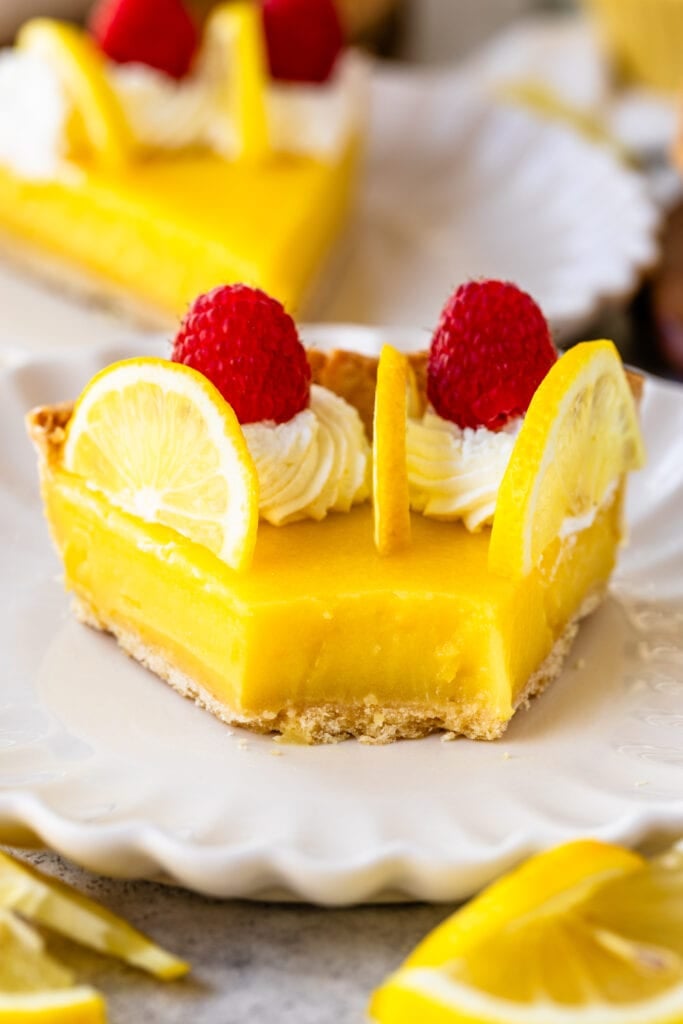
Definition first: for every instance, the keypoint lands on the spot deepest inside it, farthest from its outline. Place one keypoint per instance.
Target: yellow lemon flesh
(588, 931)
(78, 1005)
(159, 440)
(34, 988)
(579, 438)
(82, 71)
(25, 966)
(391, 499)
(53, 905)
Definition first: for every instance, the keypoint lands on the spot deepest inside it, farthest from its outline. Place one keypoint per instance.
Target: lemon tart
(125, 183)
(225, 533)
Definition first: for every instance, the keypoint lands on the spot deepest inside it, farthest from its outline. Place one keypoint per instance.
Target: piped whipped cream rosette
(313, 464)
(174, 90)
(455, 472)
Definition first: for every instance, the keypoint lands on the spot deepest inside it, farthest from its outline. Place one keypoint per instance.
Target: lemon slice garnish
(160, 442)
(82, 71)
(391, 500)
(586, 932)
(234, 59)
(579, 438)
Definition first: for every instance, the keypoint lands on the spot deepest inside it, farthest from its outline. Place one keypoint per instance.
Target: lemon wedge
(160, 442)
(82, 71)
(25, 966)
(391, 500)
(78, 1005)
(34, 988)
(56, 906)
(585, 932)
(579, 438)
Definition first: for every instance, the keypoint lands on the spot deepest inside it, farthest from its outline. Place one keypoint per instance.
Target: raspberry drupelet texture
(491, 350)
(158, 33)
(304, 39)
(249, 348)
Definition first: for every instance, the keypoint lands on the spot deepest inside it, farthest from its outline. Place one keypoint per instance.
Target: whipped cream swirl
(34, 116)
(163, 113)
(315, 463)
(302, 119)
(455, 473)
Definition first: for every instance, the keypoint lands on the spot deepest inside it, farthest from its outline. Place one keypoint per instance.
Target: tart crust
(367, 722)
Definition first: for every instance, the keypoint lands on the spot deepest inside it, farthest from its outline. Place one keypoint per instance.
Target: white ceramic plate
(457, 185)
(110, 767)
(461, 185)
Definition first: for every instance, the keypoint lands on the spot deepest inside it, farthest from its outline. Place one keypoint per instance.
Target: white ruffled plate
(462, 185)
(107, 765)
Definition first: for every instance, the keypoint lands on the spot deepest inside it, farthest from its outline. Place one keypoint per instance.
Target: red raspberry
(491, 350)
(248, 346)
(159, 33)
(304, 39)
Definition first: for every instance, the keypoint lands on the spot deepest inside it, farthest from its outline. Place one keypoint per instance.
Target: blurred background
(609, 70)
(420, 30)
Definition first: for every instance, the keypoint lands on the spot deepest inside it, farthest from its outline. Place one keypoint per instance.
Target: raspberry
(249, 347)
(159, 33)
(491, 350)
(303, 37)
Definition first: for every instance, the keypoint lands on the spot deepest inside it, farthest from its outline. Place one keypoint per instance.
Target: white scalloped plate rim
(356, 834)
(450, 206)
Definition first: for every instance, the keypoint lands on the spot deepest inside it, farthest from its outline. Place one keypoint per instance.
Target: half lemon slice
(160, 442)
(579, 438)
(586, 932)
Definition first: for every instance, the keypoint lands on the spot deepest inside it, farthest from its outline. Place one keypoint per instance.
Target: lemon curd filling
(322, 637)
(163, 230)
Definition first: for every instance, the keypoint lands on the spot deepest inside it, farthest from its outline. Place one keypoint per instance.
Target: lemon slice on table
(56, 906)
(24, 964)
(34, 988)
(586, 932)
(82, 71)
(160, 442)
(390, 496)
(78, 1005)
(580, 436)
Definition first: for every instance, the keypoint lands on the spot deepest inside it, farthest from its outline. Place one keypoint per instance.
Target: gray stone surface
(253, 963)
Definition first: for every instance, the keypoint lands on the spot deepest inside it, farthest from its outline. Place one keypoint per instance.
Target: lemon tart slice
(311, 629)
(122, 182)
